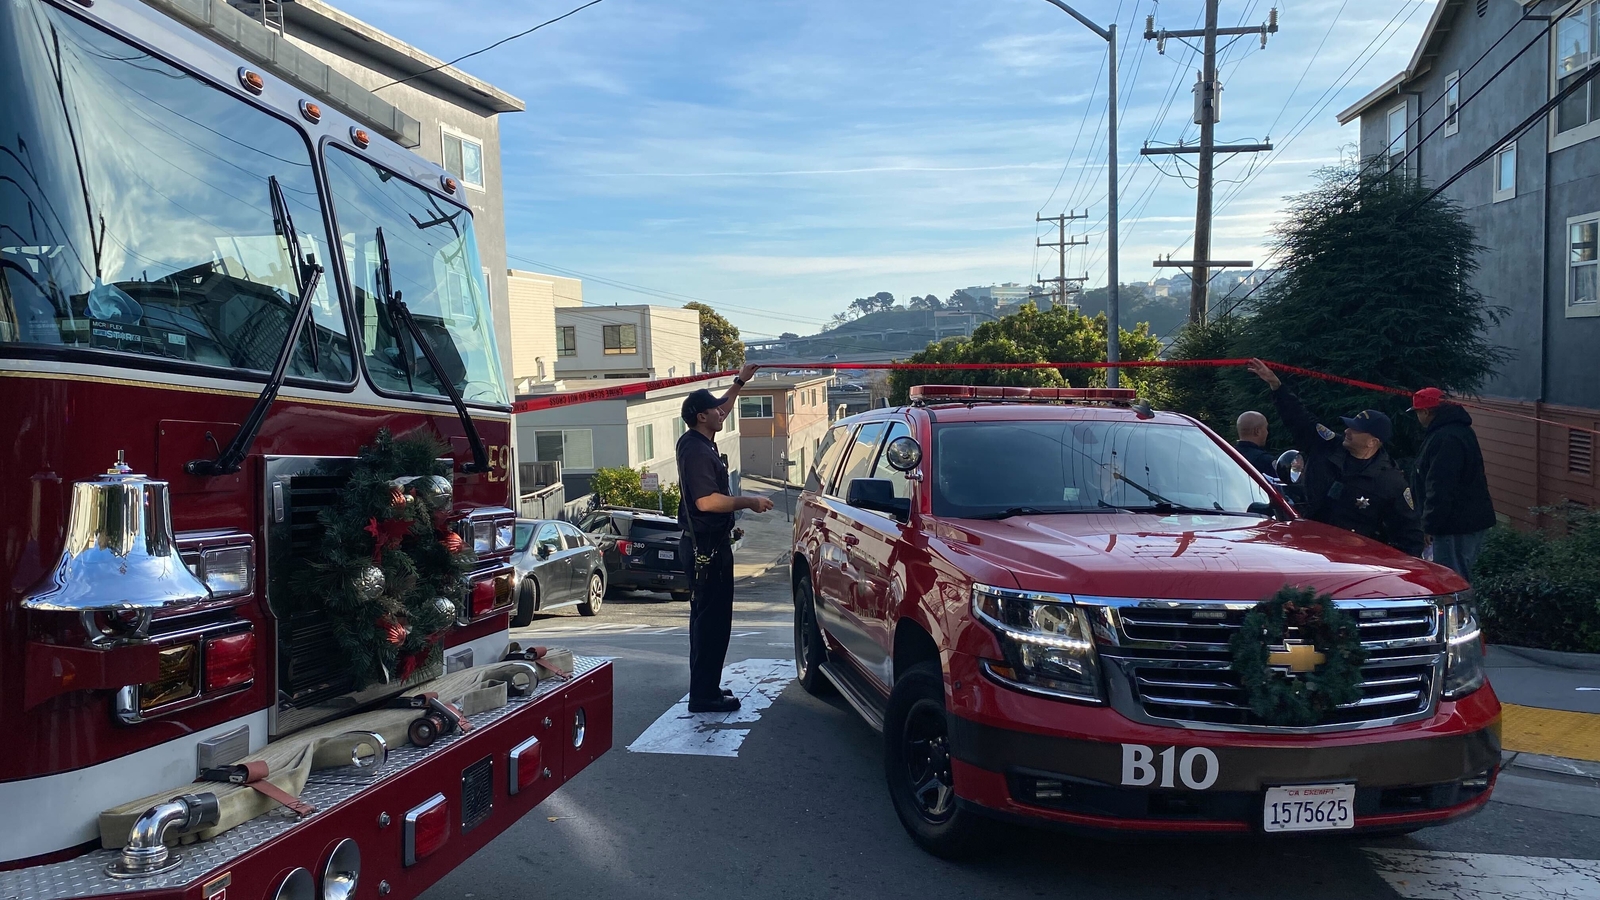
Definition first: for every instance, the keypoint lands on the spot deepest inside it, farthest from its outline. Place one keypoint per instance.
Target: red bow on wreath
(412, 662)
(385, 534)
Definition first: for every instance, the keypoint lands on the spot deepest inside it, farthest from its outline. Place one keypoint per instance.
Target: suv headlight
(1463, 668)
(1046, 639)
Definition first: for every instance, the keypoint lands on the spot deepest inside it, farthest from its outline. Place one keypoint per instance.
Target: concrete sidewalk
(767, 536)
(1551, 706)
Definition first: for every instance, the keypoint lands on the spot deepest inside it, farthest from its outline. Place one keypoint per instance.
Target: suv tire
(916, 758)
(809, 650)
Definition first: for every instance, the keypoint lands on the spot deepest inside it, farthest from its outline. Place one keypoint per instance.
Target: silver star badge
(1362, 503)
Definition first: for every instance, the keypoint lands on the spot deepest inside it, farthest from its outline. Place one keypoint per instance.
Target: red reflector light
(482, 598)
(427, 829)
(359, 137)
(491, 593)
(311, 111)
(230, 661)
(527, 764)
(252, 81)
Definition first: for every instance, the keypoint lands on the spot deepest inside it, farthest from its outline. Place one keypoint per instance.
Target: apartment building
(782, 420)
(636, 341)
(533, 300)
(1536, 207)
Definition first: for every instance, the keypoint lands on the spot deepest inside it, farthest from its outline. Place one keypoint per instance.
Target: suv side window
(858, 462)
(827, 460)
(572, 537)
(882, 469)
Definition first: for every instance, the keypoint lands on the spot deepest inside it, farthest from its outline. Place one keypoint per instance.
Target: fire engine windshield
(136, 219)
(432, 259)
(1065, 467)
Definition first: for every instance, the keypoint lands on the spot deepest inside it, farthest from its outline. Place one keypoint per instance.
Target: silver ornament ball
(445, 607)
(434, 490)
(370, 584)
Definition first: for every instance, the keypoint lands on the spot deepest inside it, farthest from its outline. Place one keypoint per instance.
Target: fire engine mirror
(903, 454)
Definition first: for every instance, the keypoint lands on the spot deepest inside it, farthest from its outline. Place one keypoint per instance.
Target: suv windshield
(1073, 466)
(128, 226)
(433, 267)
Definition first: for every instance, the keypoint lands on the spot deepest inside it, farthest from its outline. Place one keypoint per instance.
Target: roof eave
(1371, 99)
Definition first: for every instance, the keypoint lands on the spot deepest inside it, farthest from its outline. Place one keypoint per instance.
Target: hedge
(1542, 590)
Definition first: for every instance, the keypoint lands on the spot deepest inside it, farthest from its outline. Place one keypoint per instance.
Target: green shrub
(1543, 589)
(622, 486)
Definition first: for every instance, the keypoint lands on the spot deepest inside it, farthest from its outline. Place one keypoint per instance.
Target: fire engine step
(864, 699)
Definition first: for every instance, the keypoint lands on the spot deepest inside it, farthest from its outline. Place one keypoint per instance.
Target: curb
(1585, 662)
(1553, 765)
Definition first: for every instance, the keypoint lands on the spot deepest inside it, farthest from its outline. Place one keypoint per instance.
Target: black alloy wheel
(595, 596)
(917, 765)
(809, 651)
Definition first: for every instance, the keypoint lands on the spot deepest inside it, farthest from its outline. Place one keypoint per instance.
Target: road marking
(756, 682)
(1550, 732)
(1430, 875)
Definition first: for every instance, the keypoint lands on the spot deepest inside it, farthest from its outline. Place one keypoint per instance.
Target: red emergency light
(426, 830)
(527, 765)
(968, 393)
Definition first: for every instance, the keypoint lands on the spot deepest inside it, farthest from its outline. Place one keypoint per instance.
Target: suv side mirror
(877, 495)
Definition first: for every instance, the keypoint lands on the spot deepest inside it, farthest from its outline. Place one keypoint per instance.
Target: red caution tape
(637, 388)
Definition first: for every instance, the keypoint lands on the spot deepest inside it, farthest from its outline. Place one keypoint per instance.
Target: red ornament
(394, 631)
(385, 534)
(451, 542)
(397, 498)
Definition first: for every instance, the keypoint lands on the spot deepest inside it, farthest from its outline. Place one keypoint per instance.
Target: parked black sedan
(556, 566)
(641, 549)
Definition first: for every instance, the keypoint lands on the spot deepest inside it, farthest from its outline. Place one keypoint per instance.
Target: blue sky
(779, 158)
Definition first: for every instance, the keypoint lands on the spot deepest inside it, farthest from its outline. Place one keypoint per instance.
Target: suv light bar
(933, 393)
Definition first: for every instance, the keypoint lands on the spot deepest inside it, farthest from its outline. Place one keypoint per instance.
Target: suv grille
(1174, 661)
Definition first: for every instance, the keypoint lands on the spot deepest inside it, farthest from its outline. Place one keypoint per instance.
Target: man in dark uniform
(706, 514)
(1349, 483)
(1252, 442)
(1450, 483)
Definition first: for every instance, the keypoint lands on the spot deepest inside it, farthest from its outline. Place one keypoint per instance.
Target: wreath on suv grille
(1298, 698)
(388, 570)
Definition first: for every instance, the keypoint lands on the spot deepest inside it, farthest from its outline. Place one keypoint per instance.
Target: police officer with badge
(1349, 482)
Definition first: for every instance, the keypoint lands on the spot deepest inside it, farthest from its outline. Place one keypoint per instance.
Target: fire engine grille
(477, 793)
(309, 657)
(1174, 662)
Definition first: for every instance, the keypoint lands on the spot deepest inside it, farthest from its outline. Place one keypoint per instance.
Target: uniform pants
(1458, 551)
(710, 618)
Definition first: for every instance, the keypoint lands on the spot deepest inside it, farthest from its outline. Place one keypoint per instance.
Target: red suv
(1031, 593)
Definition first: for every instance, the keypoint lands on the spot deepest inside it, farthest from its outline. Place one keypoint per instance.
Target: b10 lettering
(1197, 768)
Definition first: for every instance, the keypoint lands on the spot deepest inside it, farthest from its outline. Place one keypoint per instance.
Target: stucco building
(782, 419)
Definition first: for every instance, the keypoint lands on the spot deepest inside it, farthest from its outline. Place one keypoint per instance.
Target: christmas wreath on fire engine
(387, 570)
(1303, 683)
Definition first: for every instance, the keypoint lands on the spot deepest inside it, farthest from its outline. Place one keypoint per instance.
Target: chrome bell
(119, 563)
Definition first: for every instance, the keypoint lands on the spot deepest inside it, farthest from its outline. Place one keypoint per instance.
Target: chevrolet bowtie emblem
(1300, 658)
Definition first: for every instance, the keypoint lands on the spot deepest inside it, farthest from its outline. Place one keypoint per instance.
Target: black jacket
(1449, 480)
(1370, 497)
(1258, 456)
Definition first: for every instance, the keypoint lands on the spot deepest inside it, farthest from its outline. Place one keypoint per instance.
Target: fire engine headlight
(482, 537)
(1463, 670)
(1046, 639)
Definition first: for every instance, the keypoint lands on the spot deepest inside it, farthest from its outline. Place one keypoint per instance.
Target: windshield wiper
(1030, 511)
(307, 274)
(399, 312)
(1171, 508)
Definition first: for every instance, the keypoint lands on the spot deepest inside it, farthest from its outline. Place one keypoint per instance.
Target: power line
(504, 40)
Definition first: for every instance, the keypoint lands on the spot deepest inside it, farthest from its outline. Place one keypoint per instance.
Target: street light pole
(1113, 291)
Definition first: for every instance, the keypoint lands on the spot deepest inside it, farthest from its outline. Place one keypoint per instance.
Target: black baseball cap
(1370, 421)
(698, 402)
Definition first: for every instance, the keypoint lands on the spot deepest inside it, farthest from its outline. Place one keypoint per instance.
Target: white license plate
(667, 554)
(1310, 807)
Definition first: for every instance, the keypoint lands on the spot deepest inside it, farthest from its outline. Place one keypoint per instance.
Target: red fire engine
(214, 290)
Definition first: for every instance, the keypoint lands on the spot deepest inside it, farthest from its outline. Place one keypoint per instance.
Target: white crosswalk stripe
(1433, 875)
(756, 682)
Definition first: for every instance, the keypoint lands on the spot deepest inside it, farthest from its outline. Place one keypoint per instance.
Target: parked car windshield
(992, 468)
(522, 535)
(136, 213)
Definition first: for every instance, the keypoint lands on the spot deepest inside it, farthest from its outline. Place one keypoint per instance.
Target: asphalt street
(801, 810)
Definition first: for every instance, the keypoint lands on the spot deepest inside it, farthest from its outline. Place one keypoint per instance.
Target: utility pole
(1113, 289)
(1061, 244)
(1207, 109)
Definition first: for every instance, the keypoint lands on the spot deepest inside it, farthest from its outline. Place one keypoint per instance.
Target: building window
(572, 447)
(566, 340)
(679, 426)
(757, 407)
(1505, 172)
(1582, 288)
(620, 339)
(788, 405)
(1574, 52)
(463, 158)
(1452, 103)
(644, 442)
(1397, 135)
